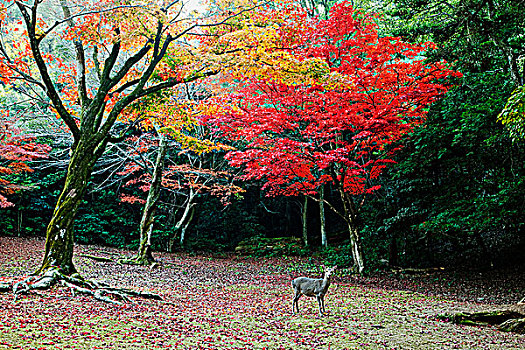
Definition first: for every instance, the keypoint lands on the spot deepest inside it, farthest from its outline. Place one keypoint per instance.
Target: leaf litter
(239, 303)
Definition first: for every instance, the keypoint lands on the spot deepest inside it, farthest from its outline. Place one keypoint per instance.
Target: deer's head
(329, 270)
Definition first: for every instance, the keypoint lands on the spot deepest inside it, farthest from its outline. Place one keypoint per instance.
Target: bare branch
(30, 22)
(81, 60)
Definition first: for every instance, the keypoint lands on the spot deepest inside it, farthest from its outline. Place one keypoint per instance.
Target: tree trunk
(305, 221)
(357, 254)
(183, 222)
(350, 216)
(322, 217)
(19, 223)
(144, 256)
(393, 249)
(60, 231)
(185, 227)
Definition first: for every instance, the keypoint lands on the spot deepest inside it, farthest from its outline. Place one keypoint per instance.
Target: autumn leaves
(323, 103)
(299, 102)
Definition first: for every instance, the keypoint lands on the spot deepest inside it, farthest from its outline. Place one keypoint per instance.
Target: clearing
(245, 303)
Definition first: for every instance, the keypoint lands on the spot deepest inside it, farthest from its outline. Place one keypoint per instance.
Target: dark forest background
(456, 196)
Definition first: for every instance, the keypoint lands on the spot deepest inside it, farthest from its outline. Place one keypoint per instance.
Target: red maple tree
(16, 150)
(331, 111)
(193, 174)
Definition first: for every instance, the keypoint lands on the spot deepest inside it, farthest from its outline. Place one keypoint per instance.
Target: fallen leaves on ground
(232, 303)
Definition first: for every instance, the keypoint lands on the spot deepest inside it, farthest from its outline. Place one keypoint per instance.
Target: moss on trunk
(144, 255)
(60, 230)
(507, 320)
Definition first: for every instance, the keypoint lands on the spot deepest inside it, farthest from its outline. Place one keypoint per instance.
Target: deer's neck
(326, 282)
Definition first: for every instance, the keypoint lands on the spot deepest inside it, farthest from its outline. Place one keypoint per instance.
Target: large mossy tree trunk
(119, 76)
(60, 230)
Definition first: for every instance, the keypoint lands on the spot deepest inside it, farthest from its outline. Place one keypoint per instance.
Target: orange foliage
(16, 149)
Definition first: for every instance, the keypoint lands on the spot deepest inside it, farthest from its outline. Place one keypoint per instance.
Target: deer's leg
(295, 305)
(320, 302)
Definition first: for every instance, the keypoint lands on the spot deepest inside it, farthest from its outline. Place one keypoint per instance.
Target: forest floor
(245, 303)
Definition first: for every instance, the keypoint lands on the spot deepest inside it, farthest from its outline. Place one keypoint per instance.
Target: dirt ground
(244, 303)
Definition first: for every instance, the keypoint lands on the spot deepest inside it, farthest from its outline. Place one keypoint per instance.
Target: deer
(312, 287)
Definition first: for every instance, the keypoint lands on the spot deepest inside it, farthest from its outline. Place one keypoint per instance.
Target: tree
(123, 52)
(481, 30)
(185, 175)
(513, 115)
(16, 150)
(456, 194)
(336, 99)
(144, 255)
(479, 34)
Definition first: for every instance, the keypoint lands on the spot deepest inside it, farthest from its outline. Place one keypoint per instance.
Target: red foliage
(332, 114)
(178, 178)
(16, 149)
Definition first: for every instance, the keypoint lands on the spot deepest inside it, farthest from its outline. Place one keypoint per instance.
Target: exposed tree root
(98, 258)
(508, 320)
(133, 261)
(413, 271)
(99, 291)
(5, 287)
(146, 260)
(514, 325)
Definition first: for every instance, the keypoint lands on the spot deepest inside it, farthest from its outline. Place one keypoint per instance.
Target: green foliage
(270, 247)
(340, 255)
(103, 219)
(33, 205)
(459, 181)
(457, 192)
(513, 115)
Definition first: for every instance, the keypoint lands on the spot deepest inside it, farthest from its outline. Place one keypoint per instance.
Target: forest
(386, 135)
(183, 140)
(389, 134)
